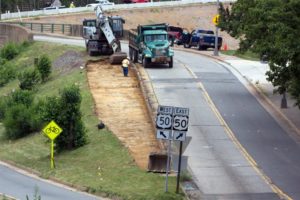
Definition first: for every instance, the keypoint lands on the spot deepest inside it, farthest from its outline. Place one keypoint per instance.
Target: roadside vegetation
(274, 36)
(248, 55)
(97, 162)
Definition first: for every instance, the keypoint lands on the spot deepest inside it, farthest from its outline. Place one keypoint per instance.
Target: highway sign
(163, 134)
(52, 130)
(164, 117)
(179, 135)
(181, 119)
(216, 19)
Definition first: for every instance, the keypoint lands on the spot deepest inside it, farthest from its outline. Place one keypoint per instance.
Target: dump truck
(102, 36)
(149, 44)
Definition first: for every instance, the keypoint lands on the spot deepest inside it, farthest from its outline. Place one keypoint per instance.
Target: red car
(175, 33)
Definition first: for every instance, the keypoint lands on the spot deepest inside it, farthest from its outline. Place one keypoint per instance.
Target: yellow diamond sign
(216, 19)
(52, 130)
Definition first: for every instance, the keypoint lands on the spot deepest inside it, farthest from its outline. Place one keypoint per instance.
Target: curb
(149, 98)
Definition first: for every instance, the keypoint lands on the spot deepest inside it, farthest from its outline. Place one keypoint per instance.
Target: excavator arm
(104, 25)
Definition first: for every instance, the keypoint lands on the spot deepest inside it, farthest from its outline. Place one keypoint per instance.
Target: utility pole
(216, 51)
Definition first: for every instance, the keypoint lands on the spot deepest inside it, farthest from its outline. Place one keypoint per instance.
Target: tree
(65, 111)
(44, 67)
(271, 29)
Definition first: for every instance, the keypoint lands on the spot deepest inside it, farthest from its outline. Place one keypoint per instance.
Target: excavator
(102, 36)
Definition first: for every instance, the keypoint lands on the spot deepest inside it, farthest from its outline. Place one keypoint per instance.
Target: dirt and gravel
(120, 105)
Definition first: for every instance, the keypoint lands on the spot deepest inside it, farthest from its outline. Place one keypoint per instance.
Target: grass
(103, 166)
(248, 55)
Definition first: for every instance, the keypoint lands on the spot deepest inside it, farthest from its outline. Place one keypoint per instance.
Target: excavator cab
(117, 26)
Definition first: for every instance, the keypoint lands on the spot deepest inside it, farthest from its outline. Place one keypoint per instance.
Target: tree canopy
(270, 28)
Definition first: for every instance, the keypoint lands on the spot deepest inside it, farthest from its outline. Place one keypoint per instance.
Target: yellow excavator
(102, 36)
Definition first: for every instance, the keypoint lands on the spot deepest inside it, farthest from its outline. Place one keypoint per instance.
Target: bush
(65, 111)
(24, 97)
(7, 73)
(19, 121)
(2, 61)
(44, 67)
(3, 106)
(9, 51)
(28, 79)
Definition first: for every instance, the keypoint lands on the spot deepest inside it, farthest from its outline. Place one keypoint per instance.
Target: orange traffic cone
(225, 47)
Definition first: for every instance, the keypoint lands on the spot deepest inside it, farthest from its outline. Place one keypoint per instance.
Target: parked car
(175, 33)
(101, 3)
(53, 7)
(202, 39)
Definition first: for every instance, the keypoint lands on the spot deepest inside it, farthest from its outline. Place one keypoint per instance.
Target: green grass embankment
(248, 55)
(103, 166)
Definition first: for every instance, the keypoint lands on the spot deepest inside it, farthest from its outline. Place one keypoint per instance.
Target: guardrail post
(52, 28)
(63, 28)
(71, 29)
(31, 26)
(42, 27)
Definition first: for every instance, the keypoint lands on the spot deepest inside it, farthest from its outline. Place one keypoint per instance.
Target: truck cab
(150, 44)
(201, 39)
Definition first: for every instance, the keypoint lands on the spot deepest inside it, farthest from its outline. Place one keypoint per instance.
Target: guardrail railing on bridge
(65, 29)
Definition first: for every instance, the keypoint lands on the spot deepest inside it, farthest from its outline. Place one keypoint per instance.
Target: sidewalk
(254, 73)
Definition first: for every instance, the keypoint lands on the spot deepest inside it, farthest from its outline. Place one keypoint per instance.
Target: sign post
(180, 127)
(164, 131)
(216, 22)
(52, 130)
(172, 124)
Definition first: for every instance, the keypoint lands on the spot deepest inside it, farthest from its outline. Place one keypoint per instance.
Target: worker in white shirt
(125, 65)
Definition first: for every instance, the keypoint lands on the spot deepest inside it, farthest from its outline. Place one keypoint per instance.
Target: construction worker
(125, 65)
(72, 5)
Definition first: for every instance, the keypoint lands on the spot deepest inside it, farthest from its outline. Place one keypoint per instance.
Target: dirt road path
(120, 105)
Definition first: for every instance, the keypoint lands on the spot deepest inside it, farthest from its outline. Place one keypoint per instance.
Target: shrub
(9, 51)
(28, 79)
(19, 121)
(65, 111)
(44, 67)
(2, 61)
(24, 97)
(3, 106)
(7, 73)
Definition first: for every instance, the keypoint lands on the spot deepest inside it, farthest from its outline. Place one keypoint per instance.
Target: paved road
(275, 152)
(19, 185)
(221, 171)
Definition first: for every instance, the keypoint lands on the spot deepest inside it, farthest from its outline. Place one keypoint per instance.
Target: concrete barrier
(14, 33)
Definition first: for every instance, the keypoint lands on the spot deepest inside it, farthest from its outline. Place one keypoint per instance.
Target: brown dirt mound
(120, 105)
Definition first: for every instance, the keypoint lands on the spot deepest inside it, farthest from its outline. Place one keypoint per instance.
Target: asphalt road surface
(221, 173)
(18, 185)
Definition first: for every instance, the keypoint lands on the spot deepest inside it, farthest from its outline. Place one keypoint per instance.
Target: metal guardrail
(66, 29)
(106, 7)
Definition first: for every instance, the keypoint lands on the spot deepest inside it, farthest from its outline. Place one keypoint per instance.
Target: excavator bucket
(157, 162)
(117, 58)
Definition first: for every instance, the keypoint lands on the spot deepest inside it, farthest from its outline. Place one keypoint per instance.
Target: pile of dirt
(189, 17)
(120, 105)
(68, 61)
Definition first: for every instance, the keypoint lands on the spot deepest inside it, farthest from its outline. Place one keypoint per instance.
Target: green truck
(150, 44)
